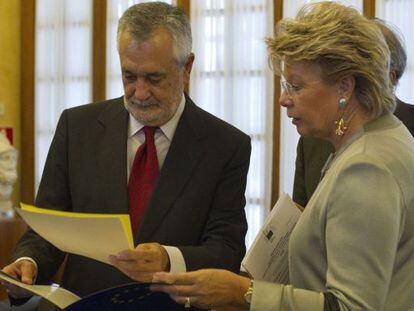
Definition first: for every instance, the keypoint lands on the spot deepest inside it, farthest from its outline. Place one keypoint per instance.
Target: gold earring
(340, 127)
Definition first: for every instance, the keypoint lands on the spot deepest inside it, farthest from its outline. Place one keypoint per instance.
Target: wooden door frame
(369, 8)
(27, 156)
(277, 16)
(99, 27)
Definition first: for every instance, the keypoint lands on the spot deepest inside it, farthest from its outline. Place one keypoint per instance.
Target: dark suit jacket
(312, 154)
(197, 205)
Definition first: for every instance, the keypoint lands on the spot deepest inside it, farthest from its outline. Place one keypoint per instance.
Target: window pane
(231, 79)
(63, 66)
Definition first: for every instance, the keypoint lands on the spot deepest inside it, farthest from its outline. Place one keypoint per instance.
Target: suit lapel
(112, 158)
(184, 154)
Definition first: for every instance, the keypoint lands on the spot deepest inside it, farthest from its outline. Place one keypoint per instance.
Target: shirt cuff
(177, 263)
(32, 261)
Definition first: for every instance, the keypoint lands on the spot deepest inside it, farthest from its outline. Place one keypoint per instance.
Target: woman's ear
(347, 86)
(393, 77)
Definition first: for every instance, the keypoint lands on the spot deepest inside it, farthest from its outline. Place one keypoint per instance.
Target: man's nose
(142, 90)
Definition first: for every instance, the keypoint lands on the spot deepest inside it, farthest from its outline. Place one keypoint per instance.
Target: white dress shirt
(162, 138)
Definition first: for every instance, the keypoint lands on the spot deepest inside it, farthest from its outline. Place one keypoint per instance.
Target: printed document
(267, 258)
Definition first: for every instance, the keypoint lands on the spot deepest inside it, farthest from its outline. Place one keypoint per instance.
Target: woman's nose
(285, 100)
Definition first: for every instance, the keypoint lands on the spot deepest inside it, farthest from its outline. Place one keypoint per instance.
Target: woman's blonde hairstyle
(343, 43)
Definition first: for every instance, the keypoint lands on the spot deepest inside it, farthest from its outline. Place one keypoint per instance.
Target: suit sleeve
(53, 193)
(299, 185)
(222, 244)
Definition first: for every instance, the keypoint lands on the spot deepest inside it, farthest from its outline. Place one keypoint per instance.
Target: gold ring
(187, 303)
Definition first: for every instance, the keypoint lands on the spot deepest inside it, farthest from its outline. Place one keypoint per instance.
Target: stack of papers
(91, 235)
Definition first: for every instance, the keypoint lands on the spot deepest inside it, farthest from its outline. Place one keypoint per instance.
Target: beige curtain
(62, 66)
(231, 79)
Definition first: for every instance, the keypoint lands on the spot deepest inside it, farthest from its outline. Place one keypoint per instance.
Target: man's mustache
(142, 103)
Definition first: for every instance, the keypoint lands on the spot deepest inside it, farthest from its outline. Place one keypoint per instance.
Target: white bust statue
(8, 173)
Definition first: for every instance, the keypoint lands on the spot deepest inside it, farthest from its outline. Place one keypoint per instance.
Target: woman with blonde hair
(352, 248)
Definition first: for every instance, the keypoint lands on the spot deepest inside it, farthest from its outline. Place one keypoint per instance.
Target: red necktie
(143, 178)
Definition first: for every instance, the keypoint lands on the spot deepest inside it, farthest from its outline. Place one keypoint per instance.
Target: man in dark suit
(312, 153)
(194, 217)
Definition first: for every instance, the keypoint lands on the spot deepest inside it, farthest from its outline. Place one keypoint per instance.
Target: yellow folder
(91, 235)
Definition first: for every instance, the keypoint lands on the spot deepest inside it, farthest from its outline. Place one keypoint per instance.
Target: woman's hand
(206, 289)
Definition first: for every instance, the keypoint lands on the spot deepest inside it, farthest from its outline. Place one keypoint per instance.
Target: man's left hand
(141, 263)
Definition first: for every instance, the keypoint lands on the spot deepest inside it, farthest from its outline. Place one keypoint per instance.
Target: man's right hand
(25, 272)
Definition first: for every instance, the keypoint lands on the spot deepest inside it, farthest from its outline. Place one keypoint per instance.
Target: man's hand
(142, 262)
(25, 272)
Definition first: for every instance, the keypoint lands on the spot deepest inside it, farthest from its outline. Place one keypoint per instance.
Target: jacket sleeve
(53, 193)
(222, 242)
